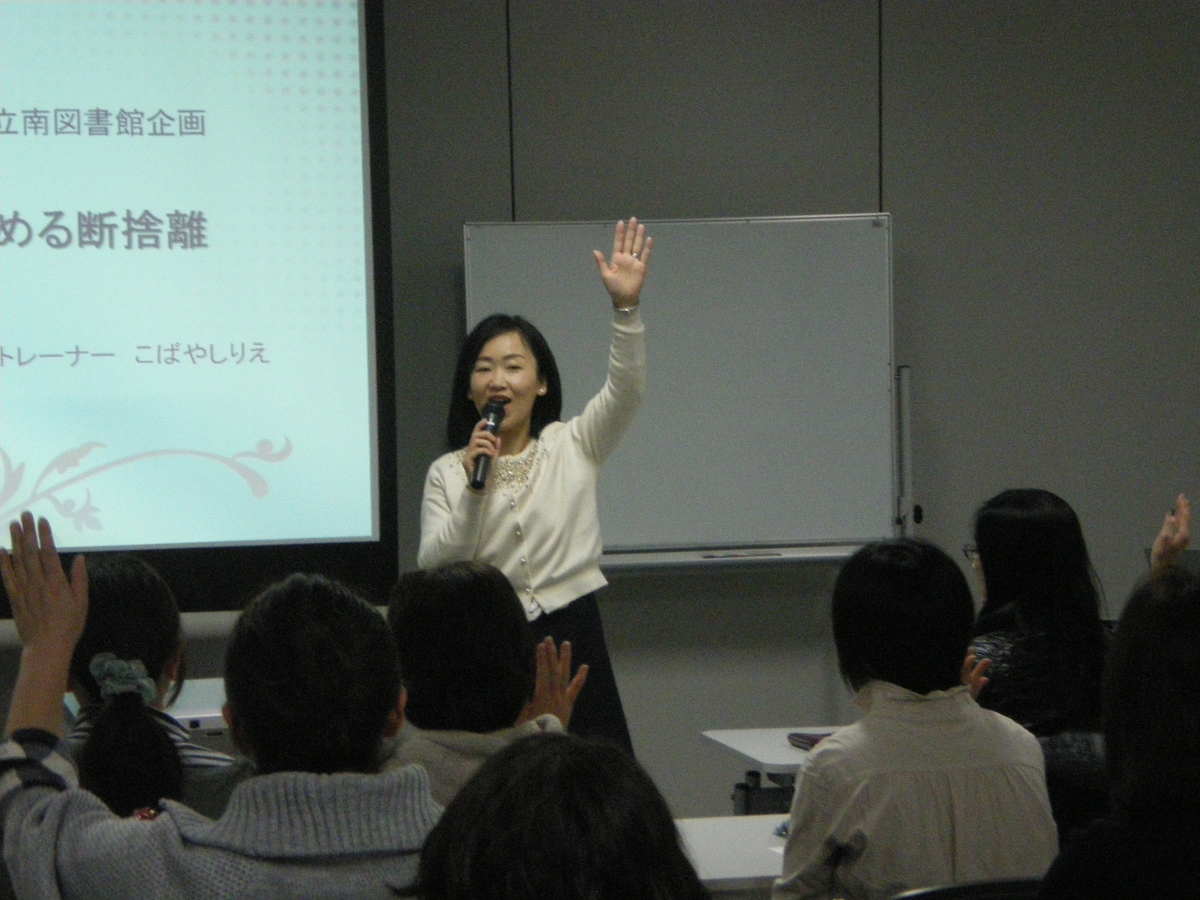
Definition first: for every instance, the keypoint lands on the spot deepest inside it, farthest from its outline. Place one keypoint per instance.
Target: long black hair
(1040, 585)
(128, 759)
(463, 416)
(1036, 568)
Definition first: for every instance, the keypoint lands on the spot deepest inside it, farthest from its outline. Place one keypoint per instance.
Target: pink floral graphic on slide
(83, 515)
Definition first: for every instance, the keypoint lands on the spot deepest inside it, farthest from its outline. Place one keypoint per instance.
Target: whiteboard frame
(548, 276)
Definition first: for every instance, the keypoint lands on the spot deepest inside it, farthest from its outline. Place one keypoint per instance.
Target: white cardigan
(542, 531)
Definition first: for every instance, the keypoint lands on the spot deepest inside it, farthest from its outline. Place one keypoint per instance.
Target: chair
(1006, 889)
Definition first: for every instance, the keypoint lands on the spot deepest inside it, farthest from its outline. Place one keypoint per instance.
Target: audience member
(927, 788)
(313, 687)
(1040, 623)
(557, 817)
(127, 666)
(1042, 641)
(1149, 845)
(474, 678)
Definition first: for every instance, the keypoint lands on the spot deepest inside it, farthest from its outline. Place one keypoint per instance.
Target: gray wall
(1039, 160)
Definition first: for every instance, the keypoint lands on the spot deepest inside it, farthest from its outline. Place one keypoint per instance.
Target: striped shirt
(191, 754)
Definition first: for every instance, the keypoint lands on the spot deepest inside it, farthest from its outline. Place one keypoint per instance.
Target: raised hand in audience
(555, 690)
(49, 611)
(1174, 536)
(974, 673)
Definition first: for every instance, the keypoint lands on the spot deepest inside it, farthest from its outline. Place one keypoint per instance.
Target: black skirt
(598, 713)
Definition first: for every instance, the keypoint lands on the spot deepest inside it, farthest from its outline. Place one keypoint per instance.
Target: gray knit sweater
(286, 835)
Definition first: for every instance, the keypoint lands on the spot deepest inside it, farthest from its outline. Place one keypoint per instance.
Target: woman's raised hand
(625, 272)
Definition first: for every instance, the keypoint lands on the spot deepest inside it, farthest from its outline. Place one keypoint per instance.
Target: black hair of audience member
(128, 760)
(465, 645)
(1152, 699)
(902, 613)
(557, 817)
(311, 678)
(1036, 570)
(463, 416)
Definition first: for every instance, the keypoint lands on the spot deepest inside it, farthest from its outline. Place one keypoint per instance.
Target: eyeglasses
(971, 552)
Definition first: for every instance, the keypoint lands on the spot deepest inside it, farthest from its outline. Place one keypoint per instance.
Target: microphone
(493, 411)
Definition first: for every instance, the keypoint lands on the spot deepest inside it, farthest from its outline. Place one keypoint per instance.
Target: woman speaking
(519, 489)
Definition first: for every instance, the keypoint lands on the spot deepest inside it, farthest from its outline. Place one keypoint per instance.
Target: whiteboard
(769, 418)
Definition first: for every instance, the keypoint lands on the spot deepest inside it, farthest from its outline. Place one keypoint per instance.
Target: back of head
(1035, 562)
(132, 614)
(556, 817)
(902, 613)
(130, 638)
(1152, 698)
(465, 646)
(311, 676)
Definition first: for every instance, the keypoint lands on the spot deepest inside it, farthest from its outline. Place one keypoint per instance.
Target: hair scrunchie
(119, 676)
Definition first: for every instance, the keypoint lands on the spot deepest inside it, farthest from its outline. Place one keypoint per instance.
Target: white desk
(735, 853)
(767, 748)
(199, 706)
